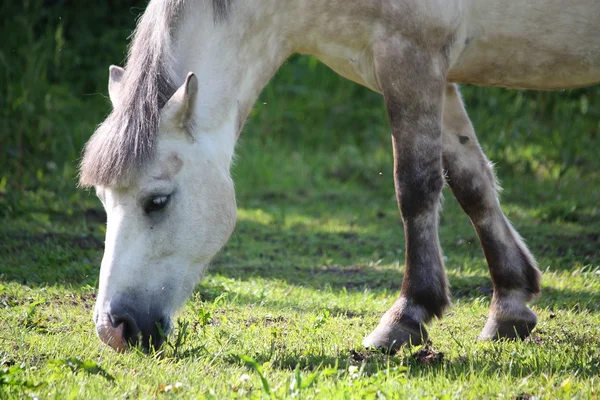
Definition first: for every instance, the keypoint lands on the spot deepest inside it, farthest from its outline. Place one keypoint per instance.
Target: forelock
(126, 141)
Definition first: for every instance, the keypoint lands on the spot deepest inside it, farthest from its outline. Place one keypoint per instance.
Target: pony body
(160, 162)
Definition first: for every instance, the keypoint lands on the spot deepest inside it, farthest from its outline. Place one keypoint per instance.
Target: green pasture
(318, 253)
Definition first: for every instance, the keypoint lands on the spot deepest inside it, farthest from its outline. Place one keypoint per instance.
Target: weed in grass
(258, 369)
(33, 321)
(321, 319)
(178, 340)
(12, 376)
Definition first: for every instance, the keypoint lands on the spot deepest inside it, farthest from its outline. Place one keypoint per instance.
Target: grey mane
(221, 9)
(126, 140)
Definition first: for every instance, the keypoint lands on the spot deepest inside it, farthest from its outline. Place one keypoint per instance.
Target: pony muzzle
(119, 329)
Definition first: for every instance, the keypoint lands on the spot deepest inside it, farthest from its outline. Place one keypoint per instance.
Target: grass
(318, 252)
(315, 260)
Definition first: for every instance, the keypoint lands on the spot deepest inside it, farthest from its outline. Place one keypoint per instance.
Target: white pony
(160, 162)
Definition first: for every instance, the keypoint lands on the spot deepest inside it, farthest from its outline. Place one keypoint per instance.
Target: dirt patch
(8, 301)
(428, 356)
(359, 356)
(273, 320)
(534, 339)
(267, 321)
(86, 301)
(343, 313)
(365, 356)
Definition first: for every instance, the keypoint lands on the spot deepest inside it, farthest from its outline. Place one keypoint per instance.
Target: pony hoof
(496, 329)
(388, 338)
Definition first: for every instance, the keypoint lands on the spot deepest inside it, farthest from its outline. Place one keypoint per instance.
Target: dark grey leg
(412, 80)
(513, 269)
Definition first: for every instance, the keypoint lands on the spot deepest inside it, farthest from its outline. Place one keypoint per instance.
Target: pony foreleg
(515, 276)
(412, 81)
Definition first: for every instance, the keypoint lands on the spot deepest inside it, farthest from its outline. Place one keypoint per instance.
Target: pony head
(166, 218)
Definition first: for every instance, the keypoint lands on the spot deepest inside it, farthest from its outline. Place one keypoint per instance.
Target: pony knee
(418, 192)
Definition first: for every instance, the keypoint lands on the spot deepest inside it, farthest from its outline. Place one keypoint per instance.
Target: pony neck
(233, 61)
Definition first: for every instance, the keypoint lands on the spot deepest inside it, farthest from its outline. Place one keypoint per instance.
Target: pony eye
(156, 203)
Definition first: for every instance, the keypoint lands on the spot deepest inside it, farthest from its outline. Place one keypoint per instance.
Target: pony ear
(178, 112)
(114, 84)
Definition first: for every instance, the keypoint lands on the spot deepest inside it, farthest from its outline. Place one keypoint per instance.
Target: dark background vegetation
(310, 130)
(54, 60)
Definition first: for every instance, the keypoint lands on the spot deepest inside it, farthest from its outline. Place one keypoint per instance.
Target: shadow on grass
(551, 298)
(343, 261)
(420, 361)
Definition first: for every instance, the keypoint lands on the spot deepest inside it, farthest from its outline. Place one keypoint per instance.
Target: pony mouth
(123, 332)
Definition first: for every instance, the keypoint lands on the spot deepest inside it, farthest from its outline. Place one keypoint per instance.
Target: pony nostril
(111, 331)
(128, 326)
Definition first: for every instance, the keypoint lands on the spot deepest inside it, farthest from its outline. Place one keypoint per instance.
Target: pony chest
(354, 64)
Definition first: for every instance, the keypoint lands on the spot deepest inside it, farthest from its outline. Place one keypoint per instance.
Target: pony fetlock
(403, 324)
(509, 317)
